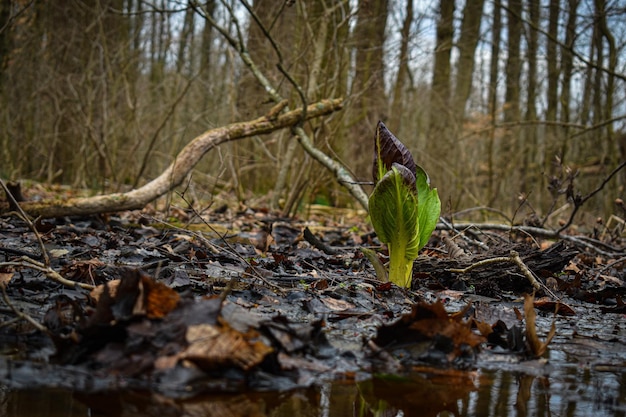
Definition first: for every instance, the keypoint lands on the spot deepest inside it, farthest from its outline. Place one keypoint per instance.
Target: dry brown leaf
(159, 299)
(425, 322)
(557, 307)
(5, 278)
(111, 286)
(336, 305)
(82, 271)
(484, 328)
(218, 346)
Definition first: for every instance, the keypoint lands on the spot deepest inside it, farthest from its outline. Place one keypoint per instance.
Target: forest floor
(236, 298)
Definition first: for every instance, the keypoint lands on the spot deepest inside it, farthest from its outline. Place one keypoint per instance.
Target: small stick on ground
(22, 215)
(255, 273)
(20, 314)
(29, 262)
(52, 274)
(513, 258)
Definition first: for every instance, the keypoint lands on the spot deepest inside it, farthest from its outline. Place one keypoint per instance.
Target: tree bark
(403, 73)
(175, 174)
(493, 97)
(440, 95)
(368, 88)
(552, 63)
(514, 64)
(531, 165)
(470, 31)
(567, 64)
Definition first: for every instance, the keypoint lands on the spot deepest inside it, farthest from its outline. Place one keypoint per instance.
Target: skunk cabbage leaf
(394, 213)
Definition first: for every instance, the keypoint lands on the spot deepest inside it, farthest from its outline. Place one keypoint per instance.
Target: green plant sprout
(403, 208)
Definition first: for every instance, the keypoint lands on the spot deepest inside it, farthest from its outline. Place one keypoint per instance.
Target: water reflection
(573, 391)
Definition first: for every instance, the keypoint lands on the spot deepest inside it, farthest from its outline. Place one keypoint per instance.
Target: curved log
(175, 174)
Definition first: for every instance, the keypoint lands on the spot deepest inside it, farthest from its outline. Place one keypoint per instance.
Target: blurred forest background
(495, 98)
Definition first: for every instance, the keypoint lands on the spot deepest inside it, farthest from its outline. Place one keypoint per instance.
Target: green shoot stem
(400, 269)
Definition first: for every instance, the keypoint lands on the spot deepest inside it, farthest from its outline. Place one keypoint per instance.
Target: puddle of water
(40, 403)
(569, 391)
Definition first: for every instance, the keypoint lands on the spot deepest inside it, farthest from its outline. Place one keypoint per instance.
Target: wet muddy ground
(245, 313)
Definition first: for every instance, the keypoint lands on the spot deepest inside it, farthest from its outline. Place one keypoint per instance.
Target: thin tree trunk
(470, 31)
(397, 105)
(567, 64)
(368, 88)
(530, 151)
(493, 97)
(510, 161)
(440, 95)
(514, 64)
(552, 62)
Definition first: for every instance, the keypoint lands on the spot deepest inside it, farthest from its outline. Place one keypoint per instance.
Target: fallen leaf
(429, 322)
(336, 305)
(218, 346)
(5, 278)
(557, 307)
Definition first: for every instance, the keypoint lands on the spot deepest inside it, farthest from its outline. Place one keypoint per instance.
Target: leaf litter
(182, 312)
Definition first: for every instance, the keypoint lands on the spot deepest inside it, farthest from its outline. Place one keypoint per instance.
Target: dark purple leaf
(391, 151)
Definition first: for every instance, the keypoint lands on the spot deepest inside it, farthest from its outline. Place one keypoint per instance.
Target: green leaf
(379, 267)
(429, 207)
(394, 214)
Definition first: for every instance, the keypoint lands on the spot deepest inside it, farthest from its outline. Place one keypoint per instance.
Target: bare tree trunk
(440, 96)
(567, 64)
(368, 88)
(611, 149)
(509, 151)
(397, 105)
(206, 51)
(610, 77)
(493, 97)
(552, 62)
(514, 64)
(531, 162)
(585, 108)
(5, 37)
(470, 31)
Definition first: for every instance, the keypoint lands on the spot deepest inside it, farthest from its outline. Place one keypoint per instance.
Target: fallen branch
(586, 242)
(340, 172)
(175, 174)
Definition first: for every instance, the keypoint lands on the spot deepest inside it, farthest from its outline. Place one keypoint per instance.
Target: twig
(25, 218)
(256, 274)
(316, 242)
(448, 225)
(578, 202)
(540, 232)
(384, 355)
(211, 247)
(50, 273)
(44, 266)
(513, 258)
(20, 314)
(609, 265)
